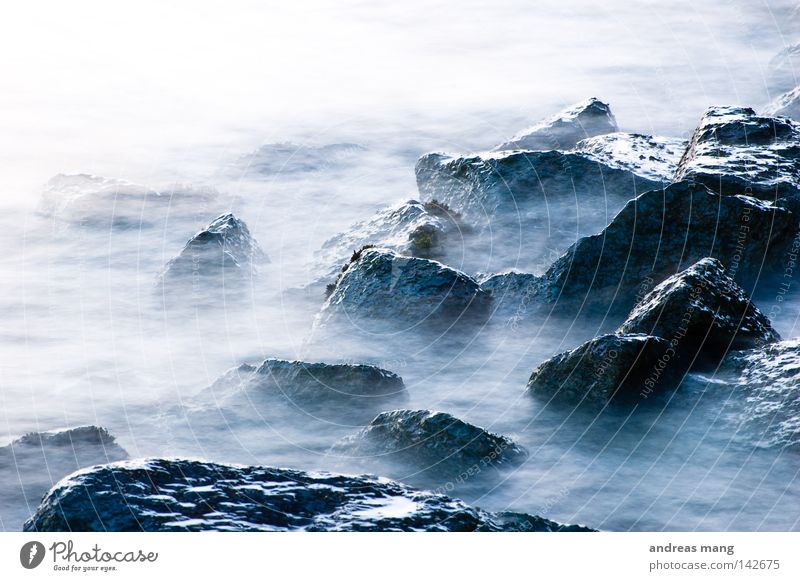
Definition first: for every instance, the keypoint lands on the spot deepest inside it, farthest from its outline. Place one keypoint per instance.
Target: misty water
(86, 339)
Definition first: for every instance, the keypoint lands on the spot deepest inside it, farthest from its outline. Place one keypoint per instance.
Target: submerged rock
(787, 104)
(734, 151)
(427, 230)
(703, 313)
(767, 401)
(182, 495)
(609, 367)
(97, 201)
(30, 465)
(434, 442)
(222, 253)
(381, 290)
(648, 156)
(301, 382)
(661, 233)
(566, 128)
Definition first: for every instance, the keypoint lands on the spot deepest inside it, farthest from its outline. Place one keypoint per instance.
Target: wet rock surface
(648, 156)
(735, 151)
(660, 233)
(382, 290)
(703, 313)
(223, 253)
(183, 495)
(766, 405)
(623, 368)
(430, 441)
(566, 128)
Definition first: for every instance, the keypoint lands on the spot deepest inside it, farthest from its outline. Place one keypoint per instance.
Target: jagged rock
(734, 151)
(382, 290)
(566, 128)
(434, 442)
(288, 159)
(767, 402)
(610, 367)
(222, 253)
(648, 156)
(703, 313)
(530, 204)
(412, 228)
(182, 495)
(102, 202)
(787, 104)
(663, 232)
(322, 384)
(30, 465)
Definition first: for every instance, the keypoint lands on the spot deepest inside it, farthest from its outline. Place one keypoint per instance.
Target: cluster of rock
(182, 495)
(689, 321)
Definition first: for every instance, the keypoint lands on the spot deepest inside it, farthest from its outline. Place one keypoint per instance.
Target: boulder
(787, 105)
(703, 313)
(512, 294)
(529, 204)
(434, 442)
(660, 233)
(652, 157)
(30, 465)
(767, 400)
(90, 200)
(301, 382)
(223, 253)
(620, 368)
(566, 128)
(181, 495)
(734, 151)
(381, 290)
(426, 230)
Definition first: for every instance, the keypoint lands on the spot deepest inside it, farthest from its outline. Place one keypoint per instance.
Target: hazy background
(164, 92)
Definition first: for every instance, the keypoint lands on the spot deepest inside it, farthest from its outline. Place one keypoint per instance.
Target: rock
(787, 104)
(291, 159)
(381, 290)
(622, 368)
(734, 151)
(182, 495)
(512, 293)
(323, 384)
(703, 313)
(90, 200)
(767, 402)
(223, 253)
(30, 465)
(434, 442)
(661, 233)
(412, 228)
(647, 156)
(562, 131)
(529, 204)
